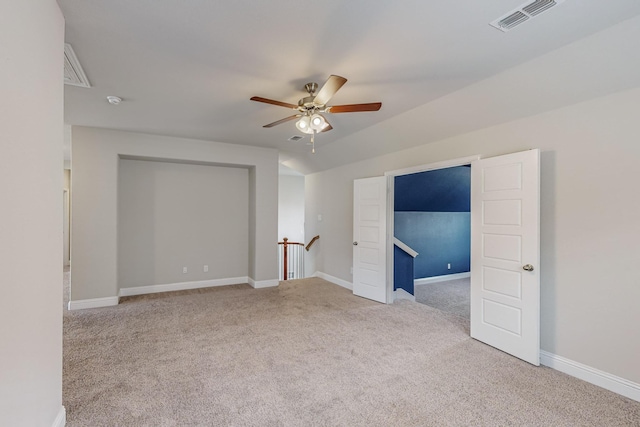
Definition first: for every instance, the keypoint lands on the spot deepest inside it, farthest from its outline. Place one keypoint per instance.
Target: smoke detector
(114, 100)
(523, 13)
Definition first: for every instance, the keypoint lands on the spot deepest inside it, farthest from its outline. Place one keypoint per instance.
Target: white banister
(405, 247)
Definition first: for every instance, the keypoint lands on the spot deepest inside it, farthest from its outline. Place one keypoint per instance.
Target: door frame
(461, 161)
(66, 228)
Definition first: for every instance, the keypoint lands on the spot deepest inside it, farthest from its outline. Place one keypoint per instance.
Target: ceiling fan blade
(354, 108)
(329, 89)
(286, 119)
(273, 102)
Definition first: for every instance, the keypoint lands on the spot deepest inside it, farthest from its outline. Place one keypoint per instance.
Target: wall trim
(402, 294)
(591, 375)
(93, 303)
(61, 418)
(259, 284)
(333, 280)
(445, 278)
(168, 287)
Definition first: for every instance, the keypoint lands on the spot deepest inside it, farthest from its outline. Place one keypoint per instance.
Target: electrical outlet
(184, 270)
(449, 266)
(206, 268)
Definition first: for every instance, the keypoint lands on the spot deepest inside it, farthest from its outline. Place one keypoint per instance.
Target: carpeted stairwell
(307, 353)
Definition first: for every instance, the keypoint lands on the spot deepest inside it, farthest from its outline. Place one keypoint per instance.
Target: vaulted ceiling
(188, 68)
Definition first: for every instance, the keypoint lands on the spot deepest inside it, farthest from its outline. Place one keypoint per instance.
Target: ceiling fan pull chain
(313, 142)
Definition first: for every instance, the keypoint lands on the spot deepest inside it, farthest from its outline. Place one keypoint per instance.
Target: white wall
(589, 213)
(31, 120)
(66, 208)
(173, 215)
(589, 221)
(291, 208)
(603, 63)
(95, 157)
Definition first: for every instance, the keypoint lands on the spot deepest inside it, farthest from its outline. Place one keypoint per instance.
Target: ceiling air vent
(296, 138)
(512, 20)
(538, 6)
(73, 72)
(523, 13)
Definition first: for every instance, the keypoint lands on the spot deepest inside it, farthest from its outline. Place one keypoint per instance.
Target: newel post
(286, 263)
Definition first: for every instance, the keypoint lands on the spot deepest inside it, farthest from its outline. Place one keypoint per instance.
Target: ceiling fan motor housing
(311, 88)
(307, 102)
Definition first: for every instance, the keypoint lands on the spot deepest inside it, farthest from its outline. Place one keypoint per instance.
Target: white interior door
(369, 238)
(505, 253)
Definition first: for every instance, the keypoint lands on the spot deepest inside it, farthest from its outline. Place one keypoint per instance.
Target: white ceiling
(189, 68)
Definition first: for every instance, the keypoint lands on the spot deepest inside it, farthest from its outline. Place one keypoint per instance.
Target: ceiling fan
(309, 108)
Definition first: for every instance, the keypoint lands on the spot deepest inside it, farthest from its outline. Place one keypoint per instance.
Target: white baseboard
(435, 279)
(334, 280)
(61, 419)
(402, 294)
(259, 284)
(591, 375)
(93, 303)
(168, 287)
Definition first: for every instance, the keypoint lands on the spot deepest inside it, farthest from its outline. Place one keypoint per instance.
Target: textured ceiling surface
(188, 69)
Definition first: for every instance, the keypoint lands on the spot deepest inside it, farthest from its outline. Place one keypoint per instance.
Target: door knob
(527, 267)
(355, 243)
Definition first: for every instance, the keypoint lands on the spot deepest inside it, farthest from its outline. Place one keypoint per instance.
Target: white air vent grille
(523, 13)
(538, 6)
(296, 138)
(73, 72)
(513, 20)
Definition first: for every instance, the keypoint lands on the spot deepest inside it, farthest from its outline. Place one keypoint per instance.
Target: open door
(505, 253)
(369, 238)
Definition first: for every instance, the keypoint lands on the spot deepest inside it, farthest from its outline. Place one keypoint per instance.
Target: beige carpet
(451, 296)
(307, 353)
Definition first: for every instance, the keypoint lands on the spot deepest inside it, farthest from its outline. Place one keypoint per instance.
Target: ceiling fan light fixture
(317, 123)
(304, 125)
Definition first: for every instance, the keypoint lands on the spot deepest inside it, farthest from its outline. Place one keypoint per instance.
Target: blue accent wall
(432, 216)
(442, 190)
(402, 270)
(439, 238)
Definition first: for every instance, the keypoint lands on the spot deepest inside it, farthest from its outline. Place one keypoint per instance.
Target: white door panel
(369, 238)
(504, 282)
(505, 298)
(502, 212)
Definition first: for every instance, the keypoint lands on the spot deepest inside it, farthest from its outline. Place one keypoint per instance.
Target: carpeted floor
(452, 296)
(307, 353)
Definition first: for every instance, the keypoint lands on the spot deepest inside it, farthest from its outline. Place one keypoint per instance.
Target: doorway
(65, 229)
(505, 249)
(432, 216)
(291, 225)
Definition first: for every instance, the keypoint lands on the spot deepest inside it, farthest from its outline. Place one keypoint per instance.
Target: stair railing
(290, 260)
(312, 242)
